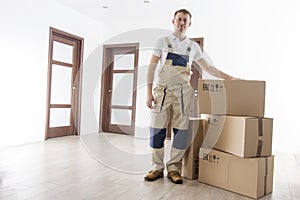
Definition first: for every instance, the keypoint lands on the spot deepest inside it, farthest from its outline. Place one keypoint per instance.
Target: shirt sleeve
(157, 50)
(198, 52)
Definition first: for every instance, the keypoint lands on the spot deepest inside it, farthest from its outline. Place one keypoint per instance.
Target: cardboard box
(231, 97)
(241, 136)
(190, 161)
(252, 177)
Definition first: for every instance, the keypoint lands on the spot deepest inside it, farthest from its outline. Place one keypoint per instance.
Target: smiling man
(173, 93)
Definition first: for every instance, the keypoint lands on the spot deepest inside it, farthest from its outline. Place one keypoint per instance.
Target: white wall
(254, 40)
(259, 40)
(248, 39)
(24, 63)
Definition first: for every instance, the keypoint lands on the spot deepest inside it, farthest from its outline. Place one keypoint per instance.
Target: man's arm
(213, 70)
(150, 76)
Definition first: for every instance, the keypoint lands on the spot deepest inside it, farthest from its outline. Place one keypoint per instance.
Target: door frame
(197, 73)
(55, 35)
(106, 79)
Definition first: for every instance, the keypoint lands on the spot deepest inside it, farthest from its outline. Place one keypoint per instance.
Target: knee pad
(180, 140)
(157, 137)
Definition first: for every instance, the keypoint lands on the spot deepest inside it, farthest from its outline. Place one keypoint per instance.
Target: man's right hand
(149, 101)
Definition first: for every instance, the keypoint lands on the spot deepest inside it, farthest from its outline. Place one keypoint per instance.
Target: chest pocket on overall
(177, 59)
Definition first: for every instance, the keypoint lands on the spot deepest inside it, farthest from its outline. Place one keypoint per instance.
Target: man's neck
(180, 35)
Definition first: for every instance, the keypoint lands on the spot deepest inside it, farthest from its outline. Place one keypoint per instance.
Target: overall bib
(172, 93)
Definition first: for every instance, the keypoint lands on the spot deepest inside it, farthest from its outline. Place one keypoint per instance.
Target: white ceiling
(126, 9)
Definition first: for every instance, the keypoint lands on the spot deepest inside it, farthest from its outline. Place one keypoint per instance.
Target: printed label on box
(210, 158)
(212, 120)
(212, 87)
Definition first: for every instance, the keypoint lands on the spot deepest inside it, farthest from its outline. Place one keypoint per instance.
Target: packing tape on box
(259, 148)
(266, 175)
(260, 134)
(260, 126)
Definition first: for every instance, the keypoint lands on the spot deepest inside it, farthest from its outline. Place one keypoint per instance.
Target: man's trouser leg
(178, 149)
(181, 115)
(159, 118)
(157, 138)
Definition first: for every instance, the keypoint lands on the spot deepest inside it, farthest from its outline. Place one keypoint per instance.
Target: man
(173, 93)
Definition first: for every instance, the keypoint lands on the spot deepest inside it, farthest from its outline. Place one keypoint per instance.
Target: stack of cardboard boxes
(235, 138)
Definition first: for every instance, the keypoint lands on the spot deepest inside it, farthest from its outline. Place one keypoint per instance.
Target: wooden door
(197, 73)
(64, 84)
(118, 88)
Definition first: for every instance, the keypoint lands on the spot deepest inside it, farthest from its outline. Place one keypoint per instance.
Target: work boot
(153, 175)
(175, 177)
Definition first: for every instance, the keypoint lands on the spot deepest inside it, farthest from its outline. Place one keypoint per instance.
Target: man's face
(181, 22)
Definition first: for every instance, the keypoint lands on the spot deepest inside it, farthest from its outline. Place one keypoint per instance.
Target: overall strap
(169, 44)
(189, 48)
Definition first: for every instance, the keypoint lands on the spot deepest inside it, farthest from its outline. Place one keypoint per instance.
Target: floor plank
(112, 166)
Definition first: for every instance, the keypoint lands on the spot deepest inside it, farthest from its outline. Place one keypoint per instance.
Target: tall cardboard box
(252, 177)
(190, 161)
(239, 135)
(231, 97)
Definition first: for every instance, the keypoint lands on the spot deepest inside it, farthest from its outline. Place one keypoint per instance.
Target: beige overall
(172, 93)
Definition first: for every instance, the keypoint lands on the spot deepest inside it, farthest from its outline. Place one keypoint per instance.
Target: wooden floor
(112, 166)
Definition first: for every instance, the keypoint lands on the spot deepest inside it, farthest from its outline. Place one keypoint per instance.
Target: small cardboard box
(252, 177)
(231, 97)
(190, 161)
(241, 136)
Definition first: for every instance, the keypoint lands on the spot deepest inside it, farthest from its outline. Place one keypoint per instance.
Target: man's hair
(184, 11)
